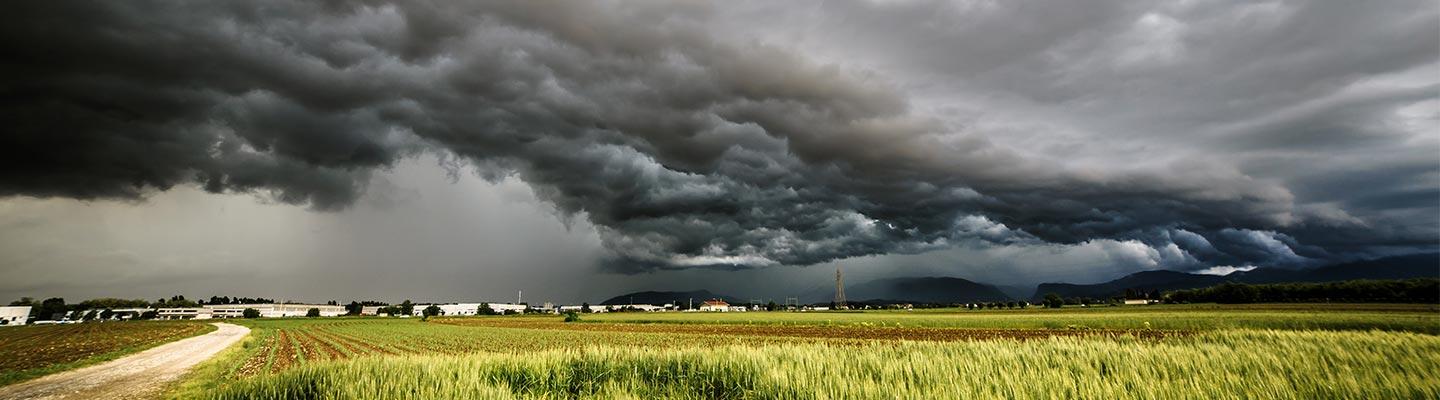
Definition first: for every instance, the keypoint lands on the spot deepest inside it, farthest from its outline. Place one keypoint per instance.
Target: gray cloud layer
(689, 136)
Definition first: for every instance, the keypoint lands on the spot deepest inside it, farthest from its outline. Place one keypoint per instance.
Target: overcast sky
(452, 151)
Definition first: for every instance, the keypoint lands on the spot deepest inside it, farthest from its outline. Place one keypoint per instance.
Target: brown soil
(284, 352)
(138, 376)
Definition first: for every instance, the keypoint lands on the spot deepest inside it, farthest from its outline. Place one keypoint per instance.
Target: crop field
(30, 351)
(857, 331)
(277, 345)
(1319, 351)
(1394, 317)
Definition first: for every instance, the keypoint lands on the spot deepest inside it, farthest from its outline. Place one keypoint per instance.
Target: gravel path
(137, 376)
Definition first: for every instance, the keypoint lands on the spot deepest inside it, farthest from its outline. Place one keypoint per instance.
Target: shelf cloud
(759, 134)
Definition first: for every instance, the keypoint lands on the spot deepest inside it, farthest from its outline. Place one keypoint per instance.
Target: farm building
(371, 310)
(1138, 302)
(17, 315)
(715, 305)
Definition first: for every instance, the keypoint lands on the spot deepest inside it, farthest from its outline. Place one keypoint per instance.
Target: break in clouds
(1205, 134)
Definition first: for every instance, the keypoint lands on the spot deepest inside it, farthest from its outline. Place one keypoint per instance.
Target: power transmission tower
(839, 289)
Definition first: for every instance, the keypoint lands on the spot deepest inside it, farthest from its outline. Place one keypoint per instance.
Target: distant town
(54, 311)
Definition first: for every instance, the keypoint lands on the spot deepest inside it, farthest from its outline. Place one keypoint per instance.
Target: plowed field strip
(284, 353)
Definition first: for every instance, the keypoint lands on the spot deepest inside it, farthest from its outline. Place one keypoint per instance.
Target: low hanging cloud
(683, 145)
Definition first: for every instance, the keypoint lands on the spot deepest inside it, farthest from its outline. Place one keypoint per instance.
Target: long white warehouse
(238, 311)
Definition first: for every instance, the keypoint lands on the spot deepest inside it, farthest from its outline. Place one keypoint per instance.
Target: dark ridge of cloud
(683, 148)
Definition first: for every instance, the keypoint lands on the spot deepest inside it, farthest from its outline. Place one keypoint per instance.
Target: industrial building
(14, 315)
(238, 311)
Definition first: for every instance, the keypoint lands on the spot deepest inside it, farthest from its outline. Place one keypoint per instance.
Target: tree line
(1421, 290)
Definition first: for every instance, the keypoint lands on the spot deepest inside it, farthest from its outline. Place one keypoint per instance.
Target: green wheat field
(1150, 352)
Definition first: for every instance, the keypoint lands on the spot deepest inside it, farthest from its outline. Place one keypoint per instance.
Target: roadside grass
(28, 352)
(1223, 364)
(200, 379)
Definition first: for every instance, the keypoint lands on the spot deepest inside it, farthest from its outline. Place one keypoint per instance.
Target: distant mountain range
(1398, 267)
(911, 290)
(925, 290)
(957, 290)
(659, 298)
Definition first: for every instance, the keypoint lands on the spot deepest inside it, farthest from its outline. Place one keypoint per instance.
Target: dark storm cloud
(683, 145)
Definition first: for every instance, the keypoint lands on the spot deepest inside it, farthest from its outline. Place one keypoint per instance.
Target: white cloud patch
(1223, 270)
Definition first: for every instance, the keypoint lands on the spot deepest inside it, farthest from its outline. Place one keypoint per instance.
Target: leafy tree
(24, 301)
(585, 308)
(571, 316)
(51, 309)
(430, 311)
(485, 309)
(149, 314)
(251, 313)
(407, 308)
(313, 312)
(112, 303)
(771, 306)
(1053, 301)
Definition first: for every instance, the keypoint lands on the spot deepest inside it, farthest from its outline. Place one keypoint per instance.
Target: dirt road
(137, 376)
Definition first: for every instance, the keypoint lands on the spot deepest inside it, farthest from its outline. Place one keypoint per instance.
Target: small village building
(1138, 302)
(14, 315)
(716, 305)
(371, 310)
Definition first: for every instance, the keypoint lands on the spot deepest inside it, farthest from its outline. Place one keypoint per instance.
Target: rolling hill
(1397, 267)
